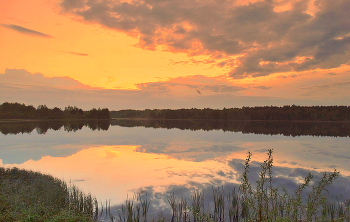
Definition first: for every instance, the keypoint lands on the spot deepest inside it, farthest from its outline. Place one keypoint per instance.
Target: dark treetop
(22, 111)
(295, 113)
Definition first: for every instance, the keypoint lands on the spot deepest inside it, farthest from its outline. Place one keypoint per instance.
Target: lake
(114, 160)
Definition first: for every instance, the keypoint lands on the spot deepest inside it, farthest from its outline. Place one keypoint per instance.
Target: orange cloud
(77, 53)
(270, 36)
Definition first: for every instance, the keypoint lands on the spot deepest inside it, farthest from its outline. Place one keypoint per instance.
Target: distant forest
(22, 111)
(293, 113)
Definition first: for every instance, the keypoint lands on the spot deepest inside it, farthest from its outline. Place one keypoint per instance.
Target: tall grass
(133, 209)
(32, 196)
(264, 202)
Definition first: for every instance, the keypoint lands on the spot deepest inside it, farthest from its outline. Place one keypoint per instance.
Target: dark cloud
(332, 74)
(263, 87)
(25, 30)
(268, 40)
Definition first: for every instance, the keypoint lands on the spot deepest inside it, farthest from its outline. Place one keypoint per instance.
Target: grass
(263, 203)
(32, 196)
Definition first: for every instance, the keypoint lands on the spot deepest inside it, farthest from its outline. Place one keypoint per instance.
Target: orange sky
(234, 53)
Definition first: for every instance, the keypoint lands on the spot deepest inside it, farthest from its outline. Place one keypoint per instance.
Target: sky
(145, 54)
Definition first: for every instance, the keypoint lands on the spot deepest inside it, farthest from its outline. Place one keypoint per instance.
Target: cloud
(216, 92)
(327, 86)
(196, 83)
(77, 53)
(263, 87)
(25, 31)
(193, 62)
(262, 37)
(21, 78)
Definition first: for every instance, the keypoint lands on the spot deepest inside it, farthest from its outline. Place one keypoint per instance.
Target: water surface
(115, 160)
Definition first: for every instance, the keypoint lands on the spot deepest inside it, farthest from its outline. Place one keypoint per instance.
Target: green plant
(266, 203)
(32, 196)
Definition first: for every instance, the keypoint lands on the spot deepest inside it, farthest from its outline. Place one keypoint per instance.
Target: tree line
(22, 111)
(295, 113)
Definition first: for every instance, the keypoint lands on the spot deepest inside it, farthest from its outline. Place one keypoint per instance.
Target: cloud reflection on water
(115, 172)
(121, 161)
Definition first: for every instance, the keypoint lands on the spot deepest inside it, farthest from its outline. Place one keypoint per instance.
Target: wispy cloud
(327, 86)
(263, 87)
(77, 53)
(26, 31)
(199, 83)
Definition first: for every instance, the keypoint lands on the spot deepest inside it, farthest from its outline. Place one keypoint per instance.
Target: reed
(197, 205)
(263, 203)
(133, 210)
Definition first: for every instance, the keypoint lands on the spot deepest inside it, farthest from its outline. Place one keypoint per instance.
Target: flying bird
(199, 92)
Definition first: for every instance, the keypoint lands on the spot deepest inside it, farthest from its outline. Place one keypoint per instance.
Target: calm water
(115, 161)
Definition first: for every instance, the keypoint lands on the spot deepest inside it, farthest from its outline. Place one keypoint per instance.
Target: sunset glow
(160, 54)
(115, 172)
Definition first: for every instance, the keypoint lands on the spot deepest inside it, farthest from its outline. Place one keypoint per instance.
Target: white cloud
(25, 78)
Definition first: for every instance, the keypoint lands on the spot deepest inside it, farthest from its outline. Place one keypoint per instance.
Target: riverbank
(32, 196)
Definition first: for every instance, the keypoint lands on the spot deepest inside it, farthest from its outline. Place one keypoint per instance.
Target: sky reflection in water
(115, 163)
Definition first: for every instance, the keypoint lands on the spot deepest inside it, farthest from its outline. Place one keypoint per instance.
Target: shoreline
(232, 120)
(158, 119)
(47, 120)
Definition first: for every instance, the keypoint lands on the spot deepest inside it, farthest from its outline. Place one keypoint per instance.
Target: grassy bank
(32, 196)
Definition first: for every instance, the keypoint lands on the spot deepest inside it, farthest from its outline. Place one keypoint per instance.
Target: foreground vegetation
(295, 113)
(32, 196)
(263, 203)
(22, 111)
